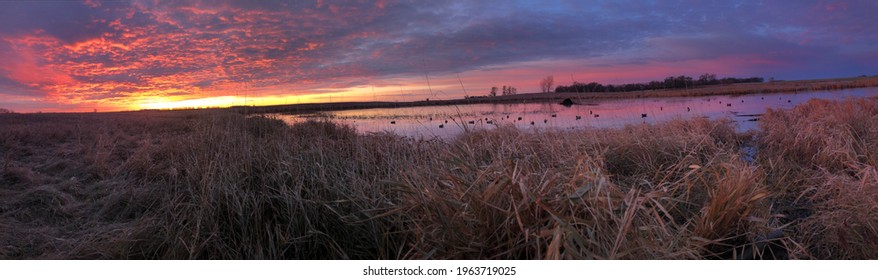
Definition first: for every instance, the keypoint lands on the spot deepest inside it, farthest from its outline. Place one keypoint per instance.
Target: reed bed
(822, 157)
(220, 185)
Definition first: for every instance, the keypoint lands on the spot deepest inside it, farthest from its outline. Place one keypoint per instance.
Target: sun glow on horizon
(353, 94)
(386, 92)
(207, 102)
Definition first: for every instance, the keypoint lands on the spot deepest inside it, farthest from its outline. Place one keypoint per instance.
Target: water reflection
(449, 121)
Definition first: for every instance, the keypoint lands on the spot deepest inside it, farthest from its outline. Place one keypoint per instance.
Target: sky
(69, 56)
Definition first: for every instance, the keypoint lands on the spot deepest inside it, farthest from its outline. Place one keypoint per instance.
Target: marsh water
(448, 121)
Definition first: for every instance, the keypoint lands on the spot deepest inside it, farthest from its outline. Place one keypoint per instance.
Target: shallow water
(448, 121)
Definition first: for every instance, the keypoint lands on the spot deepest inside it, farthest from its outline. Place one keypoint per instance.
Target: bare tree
(509, 90)
(493, 91)
(547, 83)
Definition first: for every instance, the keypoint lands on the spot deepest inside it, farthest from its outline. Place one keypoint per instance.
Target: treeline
(668, 83)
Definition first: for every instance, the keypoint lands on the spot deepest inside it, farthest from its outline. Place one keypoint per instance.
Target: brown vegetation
(821, 156)
(219, 185)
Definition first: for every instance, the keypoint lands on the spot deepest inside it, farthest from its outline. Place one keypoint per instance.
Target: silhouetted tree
(493, 91)
(547, 83)
(671, 82)
(707, 79)
(509, 90)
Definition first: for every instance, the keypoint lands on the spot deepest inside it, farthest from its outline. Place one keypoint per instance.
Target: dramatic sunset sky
(130, 55)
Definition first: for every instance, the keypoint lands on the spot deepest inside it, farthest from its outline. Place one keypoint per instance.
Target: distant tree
(669, 82)
(707, 79)
(672, 82)
(686, 81)
(547, 83)
(655, 85)
(509, 90)
(493, 91)
(5, 111)
(611, 88)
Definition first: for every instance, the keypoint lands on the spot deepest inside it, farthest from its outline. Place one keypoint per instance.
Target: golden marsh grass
(220, 185)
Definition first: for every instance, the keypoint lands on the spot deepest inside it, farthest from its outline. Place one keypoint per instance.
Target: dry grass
(560, 195)
(218, 185)
(824, 155)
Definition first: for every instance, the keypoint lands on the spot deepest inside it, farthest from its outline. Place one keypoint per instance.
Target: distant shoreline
(581, 98)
